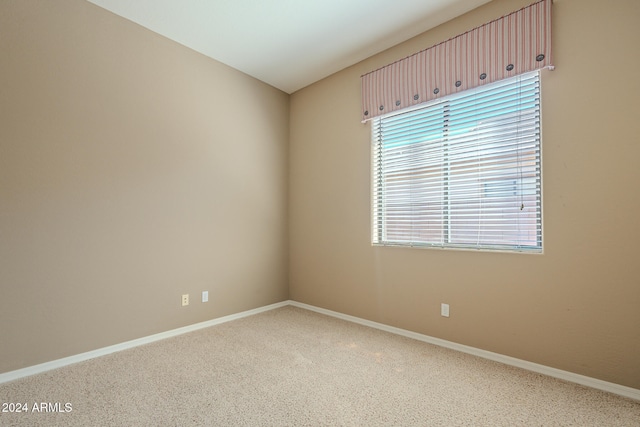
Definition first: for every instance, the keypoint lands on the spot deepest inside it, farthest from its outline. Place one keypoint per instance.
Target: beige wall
(132, 170)
(577, 306)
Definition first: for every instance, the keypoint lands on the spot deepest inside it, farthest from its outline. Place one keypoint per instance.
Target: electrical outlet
(185, 299)
(205, 296)
(444, 310)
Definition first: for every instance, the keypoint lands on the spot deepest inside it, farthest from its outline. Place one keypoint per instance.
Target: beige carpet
(293, 367)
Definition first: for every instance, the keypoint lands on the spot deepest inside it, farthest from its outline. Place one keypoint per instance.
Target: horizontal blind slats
(463, 171)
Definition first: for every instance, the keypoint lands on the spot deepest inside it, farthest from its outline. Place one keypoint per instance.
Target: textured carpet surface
(293, 367)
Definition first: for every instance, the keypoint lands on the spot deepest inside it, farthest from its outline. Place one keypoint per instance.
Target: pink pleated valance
(512, 45)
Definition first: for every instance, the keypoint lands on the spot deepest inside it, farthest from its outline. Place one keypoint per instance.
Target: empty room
(319, 213)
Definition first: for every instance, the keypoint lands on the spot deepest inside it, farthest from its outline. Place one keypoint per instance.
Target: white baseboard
(43, 367)
(618, 389)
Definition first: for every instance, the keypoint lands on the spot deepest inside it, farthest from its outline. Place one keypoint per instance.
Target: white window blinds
(463, 171)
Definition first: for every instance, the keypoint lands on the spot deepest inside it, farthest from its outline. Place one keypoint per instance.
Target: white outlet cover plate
(205, 296)
(444, 310)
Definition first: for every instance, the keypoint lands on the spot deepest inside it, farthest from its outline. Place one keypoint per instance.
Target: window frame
(377, 230)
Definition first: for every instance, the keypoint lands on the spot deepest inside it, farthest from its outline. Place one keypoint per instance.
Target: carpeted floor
(293, 367)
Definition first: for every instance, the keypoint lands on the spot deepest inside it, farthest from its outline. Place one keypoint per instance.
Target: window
(462, 172)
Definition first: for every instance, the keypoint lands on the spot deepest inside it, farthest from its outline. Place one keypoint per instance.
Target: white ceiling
(289, 44)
